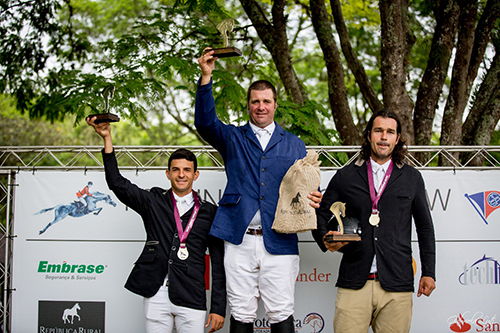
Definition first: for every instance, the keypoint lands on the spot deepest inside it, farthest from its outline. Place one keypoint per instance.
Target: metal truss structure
(143, 158)
(155, 157)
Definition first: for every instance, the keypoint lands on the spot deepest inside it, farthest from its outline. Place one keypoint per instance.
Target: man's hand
(104, 130)
(333, 246)
(207, 64)
(426, 286)
(315, 197)
(216, 321)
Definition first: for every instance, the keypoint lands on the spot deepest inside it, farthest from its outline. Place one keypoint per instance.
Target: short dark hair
(183, 154)
(261, 85)
(399, 152)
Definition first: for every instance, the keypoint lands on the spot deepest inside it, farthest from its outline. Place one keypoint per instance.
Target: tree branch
(392, 66)
(352, 61)
(436, 71)
(336, 87)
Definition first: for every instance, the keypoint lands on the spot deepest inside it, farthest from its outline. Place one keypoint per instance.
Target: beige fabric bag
(293, 213)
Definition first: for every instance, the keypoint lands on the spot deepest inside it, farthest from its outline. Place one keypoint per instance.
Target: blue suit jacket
(253, 175)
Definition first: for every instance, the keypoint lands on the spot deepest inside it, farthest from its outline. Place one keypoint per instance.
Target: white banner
(69, 265)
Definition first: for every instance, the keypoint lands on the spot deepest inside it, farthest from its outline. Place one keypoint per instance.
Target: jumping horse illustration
(71, 312)
(76, 209)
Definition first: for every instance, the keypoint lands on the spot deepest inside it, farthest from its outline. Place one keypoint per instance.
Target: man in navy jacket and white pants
(259, 263)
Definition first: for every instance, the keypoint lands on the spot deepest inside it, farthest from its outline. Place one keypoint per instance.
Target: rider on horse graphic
(85, 192)
(76, 208)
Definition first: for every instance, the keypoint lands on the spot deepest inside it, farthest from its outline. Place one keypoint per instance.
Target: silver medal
(183, 252)
(374, 219)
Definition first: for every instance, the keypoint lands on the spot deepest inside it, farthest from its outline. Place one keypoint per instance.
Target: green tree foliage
(372, 53)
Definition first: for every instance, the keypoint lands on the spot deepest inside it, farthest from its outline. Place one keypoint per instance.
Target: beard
(384, 154)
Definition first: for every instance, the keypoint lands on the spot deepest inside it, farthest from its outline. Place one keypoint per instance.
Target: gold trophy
(349, 227)
(225, 27)
(108, 92)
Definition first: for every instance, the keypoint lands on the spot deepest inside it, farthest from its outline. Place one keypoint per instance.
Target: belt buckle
(254, 232)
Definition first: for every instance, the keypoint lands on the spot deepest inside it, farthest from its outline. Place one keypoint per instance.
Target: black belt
(373, 276)
(255, 232)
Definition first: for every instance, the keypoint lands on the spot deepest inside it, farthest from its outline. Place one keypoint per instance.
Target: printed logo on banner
(71, 316)
(312, 323)
(459, 324)
(484, 203)
(315, 321)
(314, 276)
(85, 203)
(69, 271)
(484, 271)
(479, 322)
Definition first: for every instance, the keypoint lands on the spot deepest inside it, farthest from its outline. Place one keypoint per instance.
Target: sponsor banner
(474, 322)
(77, 272)
(50, 202)
(464, 204)
(73, 250)
(71, 317)
(467, 289)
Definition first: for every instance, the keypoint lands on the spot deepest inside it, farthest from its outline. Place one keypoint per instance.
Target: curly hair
(399, 152)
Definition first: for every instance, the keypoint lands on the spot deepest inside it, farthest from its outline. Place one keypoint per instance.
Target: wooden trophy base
(104, 118)
(226, 52)
(342, 238)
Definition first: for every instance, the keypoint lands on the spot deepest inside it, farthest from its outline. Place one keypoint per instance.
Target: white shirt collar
(188, 198)
(376, 166)
(269, 128)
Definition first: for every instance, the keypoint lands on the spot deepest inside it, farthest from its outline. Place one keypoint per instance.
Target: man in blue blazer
(259, 263)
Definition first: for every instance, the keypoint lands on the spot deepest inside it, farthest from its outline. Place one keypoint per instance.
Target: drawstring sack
(293, 213)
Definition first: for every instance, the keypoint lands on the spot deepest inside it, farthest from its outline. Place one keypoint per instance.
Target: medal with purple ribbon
(375, 217)
(183, 252)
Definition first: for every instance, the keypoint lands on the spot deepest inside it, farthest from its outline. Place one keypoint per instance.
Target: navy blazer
(253, 176)
(159, 256)
(403, 199)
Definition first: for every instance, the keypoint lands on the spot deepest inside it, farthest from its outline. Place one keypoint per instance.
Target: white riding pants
(252, 273)
(161, 315)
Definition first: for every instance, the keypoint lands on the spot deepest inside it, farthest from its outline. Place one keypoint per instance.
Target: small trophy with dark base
(348, 226)
(225, 27)
(106, 117)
